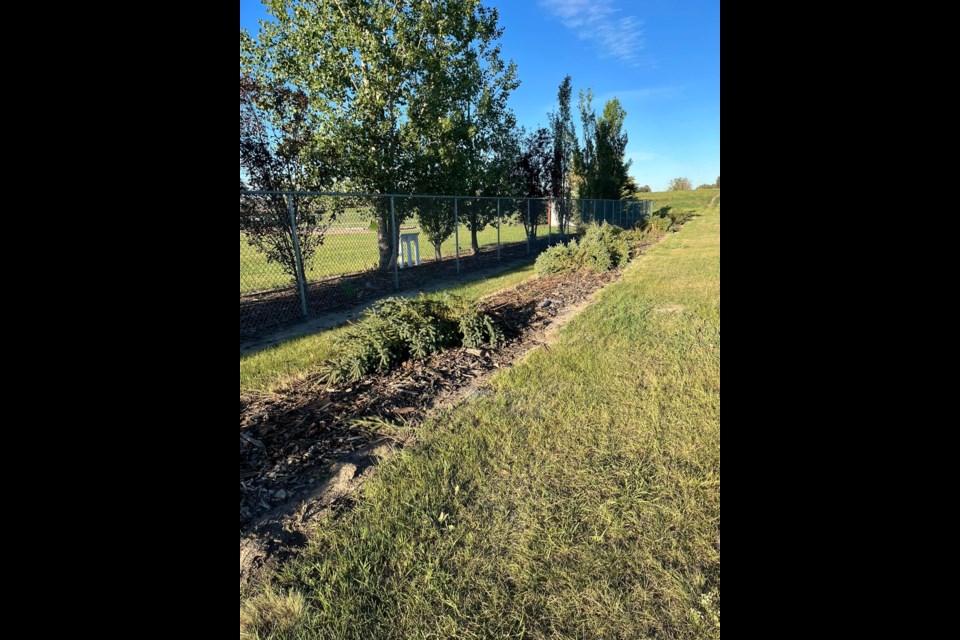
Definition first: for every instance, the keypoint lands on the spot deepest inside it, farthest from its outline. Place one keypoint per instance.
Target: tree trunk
(473, 241)
(436, 250)
(385, 240)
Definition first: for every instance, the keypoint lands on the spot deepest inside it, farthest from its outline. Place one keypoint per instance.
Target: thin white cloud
(600, 22)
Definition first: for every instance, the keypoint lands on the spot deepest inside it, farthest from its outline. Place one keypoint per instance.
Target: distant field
(684, 199)
(350, 252)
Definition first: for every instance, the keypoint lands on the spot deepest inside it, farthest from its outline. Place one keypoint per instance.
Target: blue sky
(661, 58)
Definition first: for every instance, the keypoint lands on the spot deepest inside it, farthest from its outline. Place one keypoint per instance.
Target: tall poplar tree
(564, 152)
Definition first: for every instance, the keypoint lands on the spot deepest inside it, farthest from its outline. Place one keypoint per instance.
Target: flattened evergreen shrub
(602, 248)
(557, 259)
(398, 329)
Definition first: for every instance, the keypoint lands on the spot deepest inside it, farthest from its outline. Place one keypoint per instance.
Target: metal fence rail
(302, 253)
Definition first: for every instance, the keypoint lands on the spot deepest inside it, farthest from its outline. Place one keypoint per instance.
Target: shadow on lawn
(265, 312)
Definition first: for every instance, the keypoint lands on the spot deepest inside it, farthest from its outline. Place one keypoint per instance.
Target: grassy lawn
(578, 498)
(350, 252)
(272, 368)
(687, 200)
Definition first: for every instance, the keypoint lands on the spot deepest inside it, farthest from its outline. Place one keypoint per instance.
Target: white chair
(412, 243)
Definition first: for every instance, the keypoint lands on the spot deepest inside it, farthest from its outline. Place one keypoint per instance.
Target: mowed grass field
(577, 497)
(350, 252)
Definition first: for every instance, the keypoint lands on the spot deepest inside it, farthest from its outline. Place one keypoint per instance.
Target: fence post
(395, 231)
(530, 226)
(563, 220)
(499, 223)
(550, 219)
(456, 223)
(301, 278)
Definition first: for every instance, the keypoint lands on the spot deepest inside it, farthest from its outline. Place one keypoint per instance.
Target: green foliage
(565, 151)
(601, 165)
(609, 238)
(680, 184)
(557, 259)
(602, 248)
(400, 96)
(275, 154)
(631, 190)
(679, 218)
(534, 163)
(663, 220)
(656, 225)
(437, 220)
(707, 186)
(594, 255)
(398, 329)
(286, 363)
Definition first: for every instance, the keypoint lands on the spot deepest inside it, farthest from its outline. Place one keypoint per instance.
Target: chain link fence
(305, 253)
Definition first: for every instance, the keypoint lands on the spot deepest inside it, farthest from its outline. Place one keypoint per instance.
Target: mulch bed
(289, 441)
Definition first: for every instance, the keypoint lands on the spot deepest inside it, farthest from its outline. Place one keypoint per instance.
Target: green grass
(350, 252)
(684, 199)
(578, 498)
(273, 368)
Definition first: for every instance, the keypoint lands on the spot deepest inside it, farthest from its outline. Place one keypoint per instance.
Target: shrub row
(398, 329)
